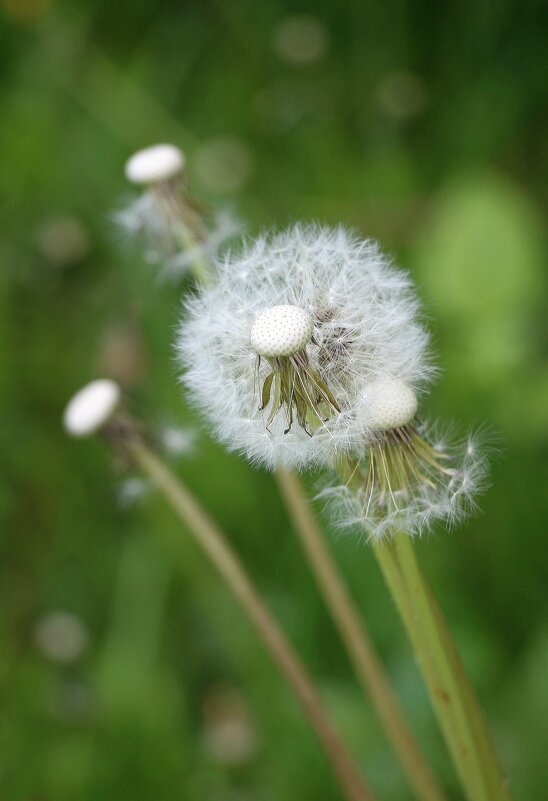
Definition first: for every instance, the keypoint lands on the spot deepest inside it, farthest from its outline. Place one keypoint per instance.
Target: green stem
(200, 267)
(452, 697)
(214, 543)
(187, 227)
(496, 781)
(350, 624)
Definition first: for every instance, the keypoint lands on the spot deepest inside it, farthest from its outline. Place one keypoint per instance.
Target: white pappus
(406, 480)
(279, 353)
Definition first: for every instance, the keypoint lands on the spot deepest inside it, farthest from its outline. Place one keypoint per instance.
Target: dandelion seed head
(406, 483)
(155, 164)
(91, 408)
(366, 326)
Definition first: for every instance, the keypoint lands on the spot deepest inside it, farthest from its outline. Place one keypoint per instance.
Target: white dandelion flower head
(280, 352)
(176, 231)
(408, 479)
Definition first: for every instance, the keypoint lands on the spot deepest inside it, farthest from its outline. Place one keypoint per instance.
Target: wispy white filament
(167, 243)
(447, 496)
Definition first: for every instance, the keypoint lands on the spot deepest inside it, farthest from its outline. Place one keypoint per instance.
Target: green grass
(456, 191)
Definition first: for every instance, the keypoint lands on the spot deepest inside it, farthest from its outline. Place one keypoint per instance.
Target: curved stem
(216, 546)
(200, 267)
(354, 635)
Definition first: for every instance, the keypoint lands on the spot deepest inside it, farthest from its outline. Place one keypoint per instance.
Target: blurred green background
(127, 671)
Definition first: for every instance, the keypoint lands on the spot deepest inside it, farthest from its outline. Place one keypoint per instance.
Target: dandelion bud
(91, 408)
(155, 164)
(390, 403)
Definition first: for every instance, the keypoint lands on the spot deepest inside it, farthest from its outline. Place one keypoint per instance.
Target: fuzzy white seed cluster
(173, 231)
(346, 356)
(91, 408)
(281, 331)
(389, 403)
(154, 164)
(308, 288)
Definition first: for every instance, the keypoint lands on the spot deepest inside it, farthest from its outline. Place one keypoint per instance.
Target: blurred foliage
(422, 125)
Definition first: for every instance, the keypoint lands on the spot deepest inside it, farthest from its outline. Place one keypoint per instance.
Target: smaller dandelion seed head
(389, 403)
(91, 408)
(281, 331)
(406, 483)
(155, 164)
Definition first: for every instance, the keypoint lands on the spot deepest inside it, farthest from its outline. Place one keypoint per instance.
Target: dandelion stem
(355, 637)
(218, 549)
(451, 694)
(200, 267)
